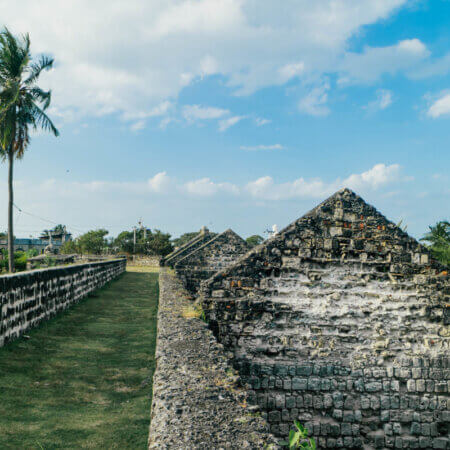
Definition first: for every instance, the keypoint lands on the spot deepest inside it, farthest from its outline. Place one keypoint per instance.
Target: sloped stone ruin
(203, 236)
(341, 321)
(204, 261)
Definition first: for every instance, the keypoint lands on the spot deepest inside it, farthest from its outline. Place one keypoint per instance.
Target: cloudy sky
(235, 113)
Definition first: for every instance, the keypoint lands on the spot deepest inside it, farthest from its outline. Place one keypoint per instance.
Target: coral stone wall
(30, 297)
(341, 321)
(197, 403)
(199, 240)
(214, 256)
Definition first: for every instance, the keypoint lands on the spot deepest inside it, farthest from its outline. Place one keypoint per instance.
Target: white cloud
(292, 70)
(260, 121)
(161, 182)
(438, 66)
(204, 187)
(231, 121)
(315, 102)
(368, 66)
(262, 147)
(137, 126)
(138, 54)
(376, 177)
(197, 112)
(440, 106)
(383, 101)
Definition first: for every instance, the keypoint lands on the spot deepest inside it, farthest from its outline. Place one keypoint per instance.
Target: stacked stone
(341, 321)
(215, 255)
(28, 298)
(197, 403)
(203, 236)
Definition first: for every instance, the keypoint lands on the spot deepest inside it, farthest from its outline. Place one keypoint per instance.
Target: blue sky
(235, 113)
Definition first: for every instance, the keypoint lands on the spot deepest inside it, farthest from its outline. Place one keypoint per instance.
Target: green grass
(84, 378)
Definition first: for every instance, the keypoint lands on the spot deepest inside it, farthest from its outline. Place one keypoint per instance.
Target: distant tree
(69, 248)
(254, 240)
(3, 235)
(158, 243)
(124, 242)
(92, 242)
(22, 105)
(184, 238)
(438, 239)
(148, 242)
(58, 229)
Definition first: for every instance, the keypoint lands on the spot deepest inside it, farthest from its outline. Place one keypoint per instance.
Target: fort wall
(28, 298)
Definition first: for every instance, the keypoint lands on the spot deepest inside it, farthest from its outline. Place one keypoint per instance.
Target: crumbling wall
(203, 236)
(197, 403)
(341, 321)
(215, 255)
(28, 298)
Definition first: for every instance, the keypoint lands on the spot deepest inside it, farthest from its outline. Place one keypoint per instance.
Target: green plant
(254, 240)
(49, 261)
(69, 248)
(438, 239)
(20, 261)
(299, 438)
(32, 252)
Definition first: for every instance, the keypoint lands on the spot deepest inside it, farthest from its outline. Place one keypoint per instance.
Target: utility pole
(134, 240)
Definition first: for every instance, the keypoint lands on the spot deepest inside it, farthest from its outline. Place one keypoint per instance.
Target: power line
(45, 220)
(78, 229)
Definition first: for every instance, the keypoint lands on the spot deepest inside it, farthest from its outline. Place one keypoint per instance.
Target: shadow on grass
(83, 379)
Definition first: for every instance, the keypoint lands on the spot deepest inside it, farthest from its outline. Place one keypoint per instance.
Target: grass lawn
(84, 378)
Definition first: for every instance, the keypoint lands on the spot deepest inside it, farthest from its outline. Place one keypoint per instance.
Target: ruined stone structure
(213, 256)
(203, 236)
(341, 321)
(28, 298)
(197, 402)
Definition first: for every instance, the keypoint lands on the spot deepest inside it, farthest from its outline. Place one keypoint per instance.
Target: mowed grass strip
(84, 378)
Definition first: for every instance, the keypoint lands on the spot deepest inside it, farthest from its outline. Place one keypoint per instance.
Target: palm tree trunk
(10, 212)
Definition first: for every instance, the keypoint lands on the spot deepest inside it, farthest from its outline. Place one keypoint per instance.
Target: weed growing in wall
(299, 438)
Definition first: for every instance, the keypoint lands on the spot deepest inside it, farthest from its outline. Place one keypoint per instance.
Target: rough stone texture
(213, 256)
(30, 297)
(196, 401)
(145, 261)
(341, 321)
(203, 236)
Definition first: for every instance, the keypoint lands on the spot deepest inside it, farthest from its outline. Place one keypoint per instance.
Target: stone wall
(341, 321)
(197, 403)
(213, 256)
(202, 237)
(28, 298)
(151, 261)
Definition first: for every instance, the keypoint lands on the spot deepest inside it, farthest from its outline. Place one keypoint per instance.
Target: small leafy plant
(299, 438)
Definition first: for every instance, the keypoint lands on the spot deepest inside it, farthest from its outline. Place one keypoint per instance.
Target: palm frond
(41, 96)
(42, 120)
(35, 69)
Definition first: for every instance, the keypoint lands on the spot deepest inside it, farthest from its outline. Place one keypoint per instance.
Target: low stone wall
(145, 260)
(197, 403)
(28, 298)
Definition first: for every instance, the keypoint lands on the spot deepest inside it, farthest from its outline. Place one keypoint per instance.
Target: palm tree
(22, 105)
(439, 241)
